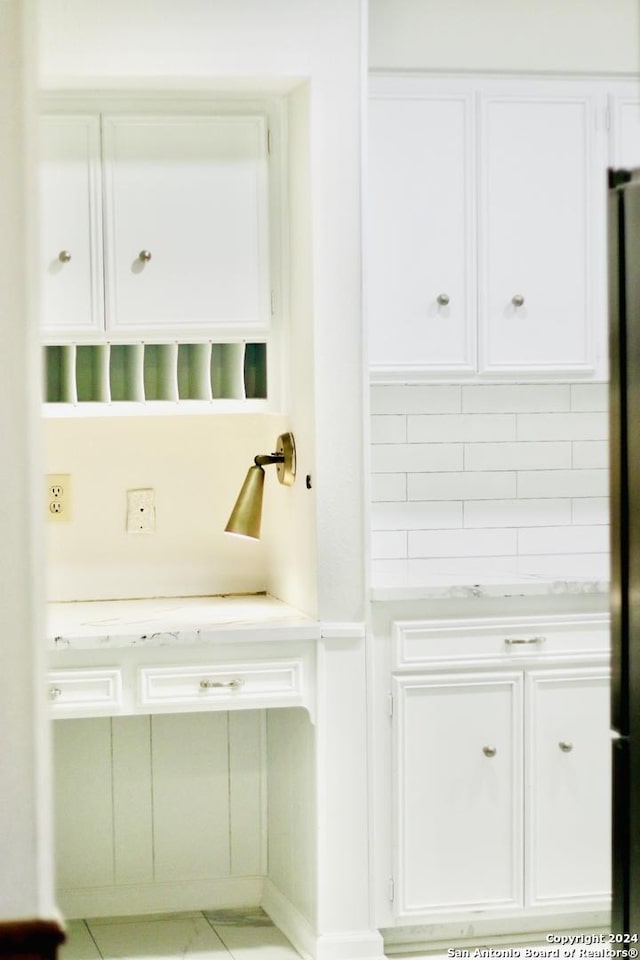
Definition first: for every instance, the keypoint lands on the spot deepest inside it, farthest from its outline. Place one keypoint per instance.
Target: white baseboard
(289, 919)
(123, 900)
(355, 945)
(434, 936)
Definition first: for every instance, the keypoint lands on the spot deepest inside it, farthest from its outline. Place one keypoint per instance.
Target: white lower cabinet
(458, 816)
(568, 749)
(500, 771)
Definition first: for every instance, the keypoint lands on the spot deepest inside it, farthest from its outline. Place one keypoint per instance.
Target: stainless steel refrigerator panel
(624, 318)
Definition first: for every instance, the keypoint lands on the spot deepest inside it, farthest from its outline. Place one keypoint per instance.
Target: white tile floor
(210, 935)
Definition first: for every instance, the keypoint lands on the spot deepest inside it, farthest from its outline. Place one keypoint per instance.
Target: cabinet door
(457, 793)
(71, 230)
(537, 283)
(420, 270)
(569, 786)
(186, 223)
(624, 110)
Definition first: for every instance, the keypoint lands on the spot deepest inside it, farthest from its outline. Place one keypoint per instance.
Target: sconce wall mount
(246, 515)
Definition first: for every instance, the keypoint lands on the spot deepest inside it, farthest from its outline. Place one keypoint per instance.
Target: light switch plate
(141, 511)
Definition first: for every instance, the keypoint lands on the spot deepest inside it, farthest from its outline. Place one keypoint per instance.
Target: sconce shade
(247, 512)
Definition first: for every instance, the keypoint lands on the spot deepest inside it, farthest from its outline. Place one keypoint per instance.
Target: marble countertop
(167, 621)
(456, 587)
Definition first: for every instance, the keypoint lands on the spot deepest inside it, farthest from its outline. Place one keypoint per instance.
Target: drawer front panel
(85, 692)
(204, 687)
(417, 644)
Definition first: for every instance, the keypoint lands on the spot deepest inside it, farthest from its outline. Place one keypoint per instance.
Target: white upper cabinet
(624, 112)
(420, 262)
(70, 214)
(485, 225)
(186, 222)
(171, 206)
(537, 296)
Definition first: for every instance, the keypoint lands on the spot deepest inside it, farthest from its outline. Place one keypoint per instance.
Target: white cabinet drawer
(85, 692)
(420, 643)
(221, 686)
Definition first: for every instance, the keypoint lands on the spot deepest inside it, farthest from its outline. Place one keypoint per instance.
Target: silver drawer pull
(514, 641)
(442, 299)
(489, 751)
(214, 684)
(565, 746)
(54, 693)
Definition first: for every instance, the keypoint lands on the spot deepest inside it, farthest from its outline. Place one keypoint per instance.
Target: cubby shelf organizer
(106, 373)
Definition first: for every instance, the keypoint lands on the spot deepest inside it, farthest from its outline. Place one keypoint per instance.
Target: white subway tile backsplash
(389, 573)
(416, 515)
(590, 454)
(517, 456)
(467, 570)
(568, 566)
(388, 486)
(386, 544)
(550, 540)
(517, 513)
(415, 398)
(489, 480)
(516, 398)
(391, 428)
(462, 543)
(590, 510)
(415, 457)
(438, 428)
(563, 426)
(461, 486)
(589, 396)
(562, 483)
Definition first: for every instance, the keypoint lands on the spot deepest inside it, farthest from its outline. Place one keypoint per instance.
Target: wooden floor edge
(31, 939)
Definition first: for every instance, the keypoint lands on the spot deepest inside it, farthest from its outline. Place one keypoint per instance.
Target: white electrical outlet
(141, 511)
(58, 496)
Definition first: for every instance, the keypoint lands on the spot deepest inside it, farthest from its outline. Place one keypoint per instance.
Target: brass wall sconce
(247, 512)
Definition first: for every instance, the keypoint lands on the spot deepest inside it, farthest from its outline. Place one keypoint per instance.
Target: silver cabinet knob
(489, 751)
(144, 256)
(54, 693)
(442, 299)
(215, 684)
(64, 256)
(565, 746)
(517, 300)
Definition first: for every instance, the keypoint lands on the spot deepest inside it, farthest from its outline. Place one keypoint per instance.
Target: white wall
(198, 42)
(195, 465)
(292, 532)
(167, 828)
(25, 834)
(525, 35)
